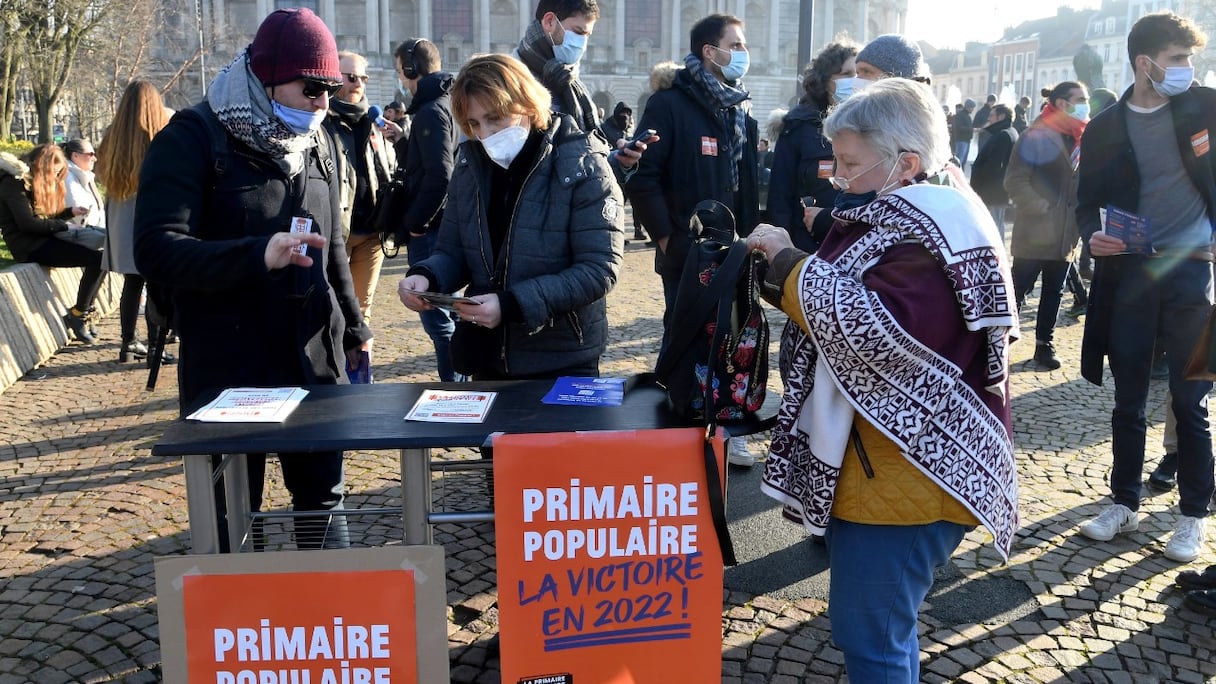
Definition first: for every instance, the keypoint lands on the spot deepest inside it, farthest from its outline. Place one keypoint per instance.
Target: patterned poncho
(951, 422)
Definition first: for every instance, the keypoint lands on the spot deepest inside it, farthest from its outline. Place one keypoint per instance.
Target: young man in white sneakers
(1150, 156)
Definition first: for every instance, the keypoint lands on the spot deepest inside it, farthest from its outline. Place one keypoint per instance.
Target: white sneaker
(738, 454)
(1115, 519)
(1187, 542)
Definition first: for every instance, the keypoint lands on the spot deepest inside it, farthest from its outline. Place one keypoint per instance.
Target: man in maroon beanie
(238, 214)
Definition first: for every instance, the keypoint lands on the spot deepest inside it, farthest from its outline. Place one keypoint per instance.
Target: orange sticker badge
(709, 146)
(1200, 143)
(826, 167)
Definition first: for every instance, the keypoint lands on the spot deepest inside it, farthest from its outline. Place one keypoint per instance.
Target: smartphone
(641, 136)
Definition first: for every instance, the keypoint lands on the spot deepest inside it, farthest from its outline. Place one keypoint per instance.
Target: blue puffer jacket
(561, 255)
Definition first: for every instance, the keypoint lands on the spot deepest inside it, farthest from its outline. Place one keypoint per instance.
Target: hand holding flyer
(1135, 231)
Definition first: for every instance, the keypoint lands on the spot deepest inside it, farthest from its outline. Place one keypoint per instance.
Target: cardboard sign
(609, 569)
(356, 616)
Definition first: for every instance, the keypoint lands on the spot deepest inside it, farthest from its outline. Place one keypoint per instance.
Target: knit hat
(895, 55)
(968, 104)
(294, 43)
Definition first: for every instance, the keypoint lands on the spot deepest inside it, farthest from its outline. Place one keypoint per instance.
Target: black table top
(371, 417)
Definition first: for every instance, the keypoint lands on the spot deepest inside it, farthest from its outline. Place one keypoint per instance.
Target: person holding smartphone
(533, 229)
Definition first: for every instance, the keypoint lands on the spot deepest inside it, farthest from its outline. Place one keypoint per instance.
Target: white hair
(895, 115)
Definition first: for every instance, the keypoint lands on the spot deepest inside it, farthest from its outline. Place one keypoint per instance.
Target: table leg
(200, 504)
(236, 498)
(416, 495)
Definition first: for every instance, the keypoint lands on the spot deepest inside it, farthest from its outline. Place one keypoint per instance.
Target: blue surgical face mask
(844, 89)
(848, 200)
(736, 69)
(300, 121)
(571, 49)
(1080, 111)
(1177, 80)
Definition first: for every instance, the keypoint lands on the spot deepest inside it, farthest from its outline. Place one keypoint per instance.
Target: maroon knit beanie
(291, 44)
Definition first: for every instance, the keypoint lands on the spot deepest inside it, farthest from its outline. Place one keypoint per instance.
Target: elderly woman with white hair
(894, 436)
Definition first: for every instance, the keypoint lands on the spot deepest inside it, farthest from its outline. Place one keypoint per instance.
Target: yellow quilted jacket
(899, 493)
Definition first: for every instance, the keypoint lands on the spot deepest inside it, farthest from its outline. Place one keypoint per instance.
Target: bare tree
(12, 40)
(57, 28)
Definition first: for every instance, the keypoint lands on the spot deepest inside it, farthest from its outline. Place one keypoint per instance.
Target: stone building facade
(630, 36)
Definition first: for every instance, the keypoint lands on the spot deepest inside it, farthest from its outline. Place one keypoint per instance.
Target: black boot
(1163, 479)
(132, 348)
(1045, 355)
(76, 321)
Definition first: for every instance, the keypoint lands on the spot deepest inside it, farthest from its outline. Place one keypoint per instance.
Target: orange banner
(609, 570)
(301, 628)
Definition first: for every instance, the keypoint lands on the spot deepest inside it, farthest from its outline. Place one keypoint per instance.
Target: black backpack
(160, 295)
(715, 364)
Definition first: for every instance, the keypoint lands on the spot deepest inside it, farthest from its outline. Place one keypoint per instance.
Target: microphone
(376, 115)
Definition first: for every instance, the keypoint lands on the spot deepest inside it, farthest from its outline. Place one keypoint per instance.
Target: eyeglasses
(88, 154)
(356, 77)
(313, 89)
(841, 183)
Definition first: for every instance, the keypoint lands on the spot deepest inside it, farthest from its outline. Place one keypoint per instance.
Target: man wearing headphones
(426, 168)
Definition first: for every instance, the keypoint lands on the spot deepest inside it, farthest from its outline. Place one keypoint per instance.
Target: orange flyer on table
(316, 627)
(609, 569)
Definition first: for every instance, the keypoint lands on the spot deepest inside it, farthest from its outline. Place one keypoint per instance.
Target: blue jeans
(1166, 300)
(437, 323)
(962, 150)
(880, 574)
(998, 217)
(1055, 273)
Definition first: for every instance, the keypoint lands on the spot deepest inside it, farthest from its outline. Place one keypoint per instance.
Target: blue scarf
(732, 107)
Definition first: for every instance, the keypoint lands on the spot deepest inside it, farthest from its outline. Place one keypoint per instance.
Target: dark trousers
(128, 306)
(1167, 300)
(317, 482)
(1025, 271)
(57, 253)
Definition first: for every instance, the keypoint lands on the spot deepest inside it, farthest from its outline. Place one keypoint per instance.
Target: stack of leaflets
(251, 405)
(448, 406)
(575, 391)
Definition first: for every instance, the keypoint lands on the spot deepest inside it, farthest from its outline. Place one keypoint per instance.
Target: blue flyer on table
(1135, 231)
(573, 391)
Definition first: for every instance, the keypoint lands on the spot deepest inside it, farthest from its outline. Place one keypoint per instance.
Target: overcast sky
(950, 25)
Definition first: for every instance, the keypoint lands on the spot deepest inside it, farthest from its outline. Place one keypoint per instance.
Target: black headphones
(409, 69)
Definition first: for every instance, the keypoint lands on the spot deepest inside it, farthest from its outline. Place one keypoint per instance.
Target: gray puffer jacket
(561, 255)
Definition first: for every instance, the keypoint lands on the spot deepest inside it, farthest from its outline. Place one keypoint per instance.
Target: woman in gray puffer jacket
(533, 228)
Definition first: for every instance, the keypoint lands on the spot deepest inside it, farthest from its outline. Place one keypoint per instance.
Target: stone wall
(33, 300)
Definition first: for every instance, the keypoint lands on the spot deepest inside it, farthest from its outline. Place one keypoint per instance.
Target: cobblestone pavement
(85, 507)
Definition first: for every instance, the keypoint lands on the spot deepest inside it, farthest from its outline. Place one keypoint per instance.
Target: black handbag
(715, 364)
(391, 204)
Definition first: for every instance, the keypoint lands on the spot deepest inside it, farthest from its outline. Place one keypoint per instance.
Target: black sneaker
(1077, 309)
(1201, 601)
(1045, 355)
(1197, 581)
(1162, 479)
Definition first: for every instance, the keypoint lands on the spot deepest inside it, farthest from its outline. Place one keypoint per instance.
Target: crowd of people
(261, 210)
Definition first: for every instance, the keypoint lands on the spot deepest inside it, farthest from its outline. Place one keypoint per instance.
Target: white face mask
(504, 145)
(1177, 80)
(846, 87)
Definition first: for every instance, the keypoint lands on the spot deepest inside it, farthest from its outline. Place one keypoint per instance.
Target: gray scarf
(731, 102)
(239, 101)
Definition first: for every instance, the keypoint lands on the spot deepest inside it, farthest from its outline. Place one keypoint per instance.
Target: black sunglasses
(313, 89)
(356, 77)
